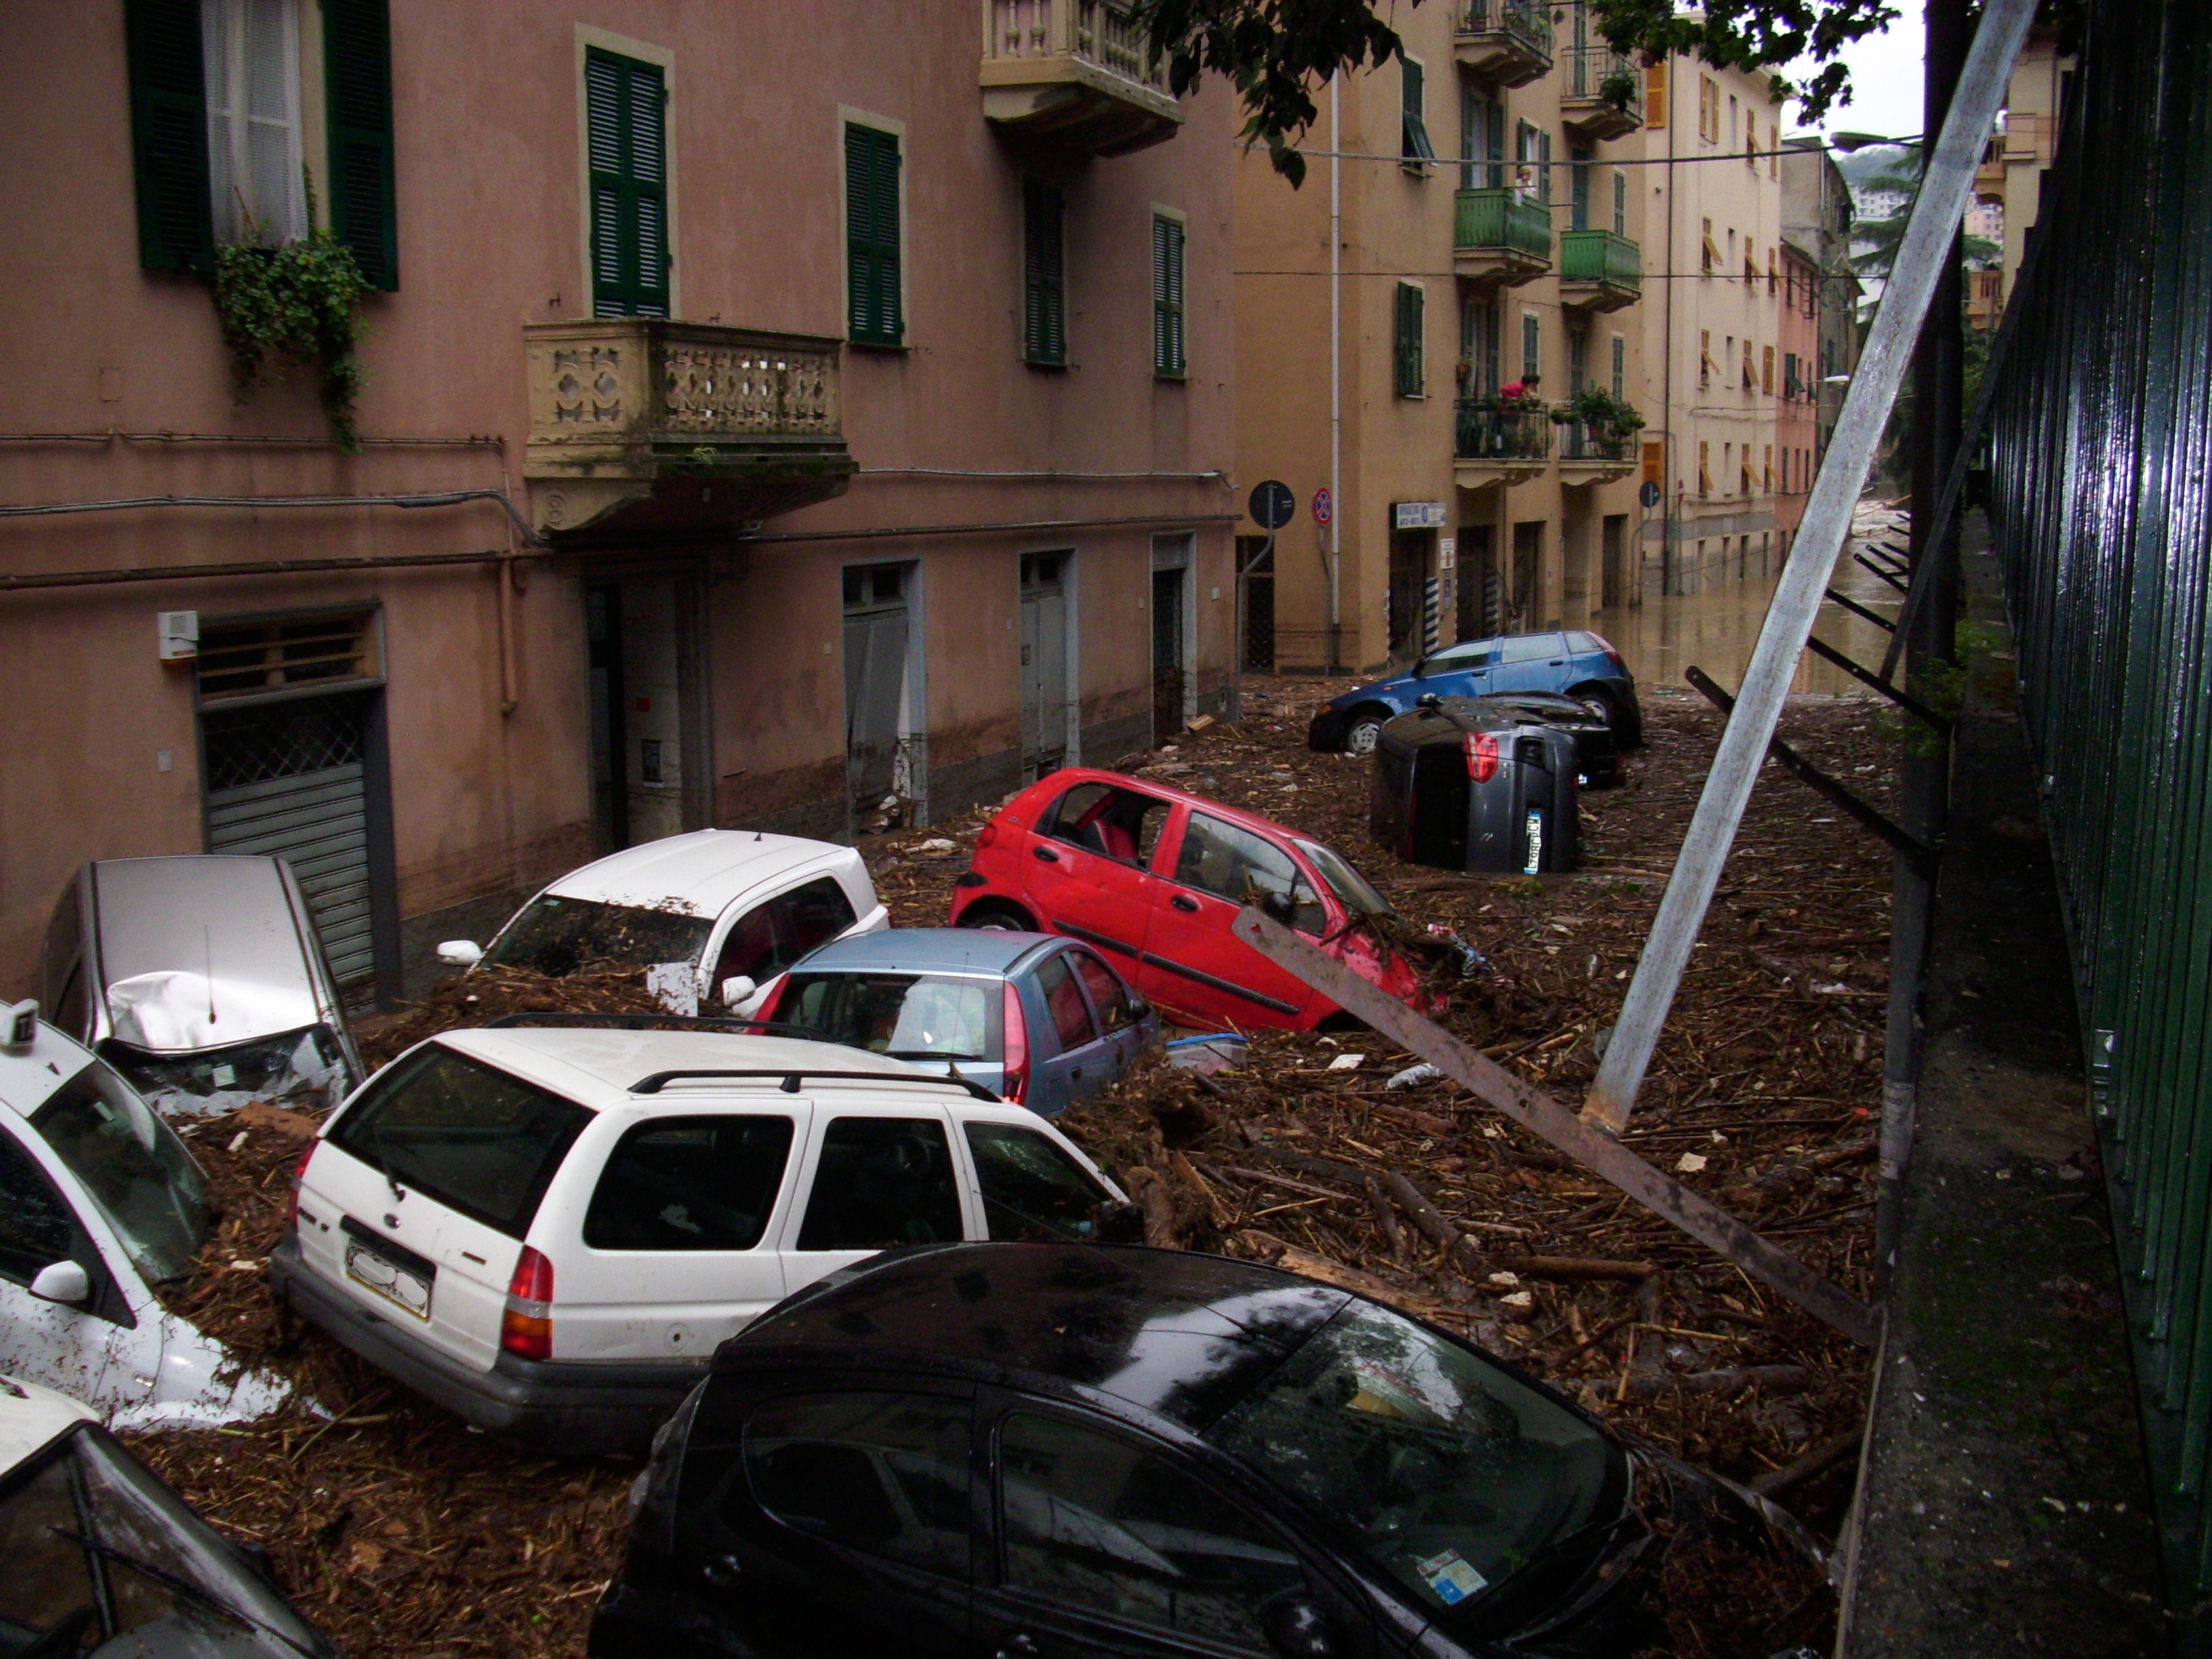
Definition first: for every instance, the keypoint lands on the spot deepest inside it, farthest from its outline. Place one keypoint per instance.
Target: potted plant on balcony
(1619, 89)
(1609, 422)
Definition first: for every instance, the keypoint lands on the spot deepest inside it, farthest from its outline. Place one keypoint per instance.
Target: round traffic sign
(1324, 505)
(1272, 504)
(1649, 494)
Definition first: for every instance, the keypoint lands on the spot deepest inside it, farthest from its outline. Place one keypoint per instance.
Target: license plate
(402, 1287)
(1535, 843)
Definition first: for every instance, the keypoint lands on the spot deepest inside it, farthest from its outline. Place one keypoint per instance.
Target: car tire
(998, 918)
(1597, 705)
(1362, 729)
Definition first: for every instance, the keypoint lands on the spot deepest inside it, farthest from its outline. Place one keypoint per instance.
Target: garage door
(286, 779)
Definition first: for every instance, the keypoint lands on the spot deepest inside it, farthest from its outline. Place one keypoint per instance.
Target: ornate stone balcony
(1072, 75)
(639, 424)
(1506, 41)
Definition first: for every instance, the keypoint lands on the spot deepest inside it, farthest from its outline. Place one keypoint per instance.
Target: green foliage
(1618, 89)
(302, 303)
(1753, 34)
(1605, 415)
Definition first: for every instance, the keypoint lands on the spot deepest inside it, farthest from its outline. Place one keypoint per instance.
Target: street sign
(1648, 494)
(1272, 505)
(1324, 505)
(1417, 515)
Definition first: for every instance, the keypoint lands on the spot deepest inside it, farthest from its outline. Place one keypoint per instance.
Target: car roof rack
(725, 1023)
(654, 1082)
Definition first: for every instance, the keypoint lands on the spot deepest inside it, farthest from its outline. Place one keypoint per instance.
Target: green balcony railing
(1486, 429)
(1597, 70)
(1499, 217)
(1578, 441)
(1528, 20)
(1598, 256)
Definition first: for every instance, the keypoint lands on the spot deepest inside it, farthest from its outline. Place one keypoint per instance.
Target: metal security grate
(281, 740)
(245, 660)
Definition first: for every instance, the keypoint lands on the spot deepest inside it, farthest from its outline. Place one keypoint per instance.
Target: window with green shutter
(1167, 356)
(357, 82)
(874, 314)
(169, 134)
(1044, 279)
(1408, 378)
(626, 106)
(1532, 346)
(1413, 128)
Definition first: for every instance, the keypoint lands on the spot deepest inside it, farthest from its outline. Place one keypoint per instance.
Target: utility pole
(1930, 649)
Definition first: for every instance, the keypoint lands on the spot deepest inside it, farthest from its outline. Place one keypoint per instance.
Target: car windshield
(1453, 1473)
(557, 936)
(906, 1016)
(288, 1066)
(134, 1168)
(1353, 891)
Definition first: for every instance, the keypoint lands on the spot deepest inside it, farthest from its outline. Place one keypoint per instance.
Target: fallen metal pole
(1937, 212)
(1540, 1114)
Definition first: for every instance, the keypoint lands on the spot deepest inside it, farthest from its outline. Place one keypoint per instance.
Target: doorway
(1044, 663)
(1613, 554)
(1257, 561)
(1481, 598)
(877, 643)
(1168, 678)
(647, 728)
(1413, 559)
(1527, 596)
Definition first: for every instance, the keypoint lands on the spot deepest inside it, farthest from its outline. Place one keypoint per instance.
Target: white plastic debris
(1347, 1062)
(936, 844)
(1413, 1076)
(1510, 1281)
(1519, 1299)
(1690, 1163)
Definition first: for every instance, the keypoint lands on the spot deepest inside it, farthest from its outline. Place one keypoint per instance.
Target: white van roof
(32, 1417)
(708, 869)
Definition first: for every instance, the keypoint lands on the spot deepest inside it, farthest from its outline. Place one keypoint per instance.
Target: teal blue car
(1568, 662)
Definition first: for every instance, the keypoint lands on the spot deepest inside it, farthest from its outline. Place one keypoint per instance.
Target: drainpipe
(1335, 372)
(1670, 499)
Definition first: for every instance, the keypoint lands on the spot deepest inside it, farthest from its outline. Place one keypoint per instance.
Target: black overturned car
(1050, 1451)
(1597, 744)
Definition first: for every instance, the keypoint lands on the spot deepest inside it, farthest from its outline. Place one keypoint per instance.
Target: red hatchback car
(1154, 876)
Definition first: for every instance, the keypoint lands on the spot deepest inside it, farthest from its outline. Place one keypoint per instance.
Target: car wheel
(1360, 736)
(1597, 706)
(997, 918)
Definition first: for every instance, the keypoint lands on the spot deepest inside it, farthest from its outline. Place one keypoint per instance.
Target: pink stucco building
(1797, 392)
(816, 407)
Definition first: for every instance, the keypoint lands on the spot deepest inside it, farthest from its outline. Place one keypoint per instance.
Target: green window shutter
(1579, 190)
(1619, 367)
(357, 78)
(873, 312)
(1407, 356)
(1168, 355)
(1044, 280)
(626, 107)
(1497, 145)
(1532, 340)
(168, 135)
(1413, 135)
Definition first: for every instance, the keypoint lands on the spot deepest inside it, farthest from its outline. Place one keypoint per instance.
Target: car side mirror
(1428, 700)
(1298, 1629)
(1278, 907)
(65, 1282)
(460, 953)
(737, 989)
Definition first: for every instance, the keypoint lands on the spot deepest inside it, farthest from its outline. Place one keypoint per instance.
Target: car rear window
(1033, 1192)
(689, 1184)
(1527, 647)
(881, 1181)
(906, 1016)
(471, 1137)
(1585, 642)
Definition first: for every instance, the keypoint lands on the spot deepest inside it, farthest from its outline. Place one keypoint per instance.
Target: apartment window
(1407, 379)
(1750, 263)
(1731, 121)
(1709, 109)
(1479, 330)
(1743, 476)
(1579, 189)
(1168, 360)
(1482, 140)
(1751, 139)
(1766, 369)
(1750, 379)
(1790, 386)
(1044, 275)
(1770, 270)
(625, 105)
(1704, 468)
(216, 129)
(1710, 253)
(1767, 472)
(1413, 128)
(1578, 360)
(1655, 97)
(1704, 357)
(875, 305)
(1532, 344)
(1621, 365)
(1619, 203)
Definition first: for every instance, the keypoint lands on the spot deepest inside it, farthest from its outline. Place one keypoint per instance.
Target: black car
(1050, 1451)
(1597, 745)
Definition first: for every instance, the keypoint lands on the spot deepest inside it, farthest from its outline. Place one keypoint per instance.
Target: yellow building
(1460, 232)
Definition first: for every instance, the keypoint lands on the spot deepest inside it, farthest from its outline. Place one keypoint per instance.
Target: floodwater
(1716, 629)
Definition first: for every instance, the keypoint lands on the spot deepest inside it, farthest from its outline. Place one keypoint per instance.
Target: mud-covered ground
(401, 1534)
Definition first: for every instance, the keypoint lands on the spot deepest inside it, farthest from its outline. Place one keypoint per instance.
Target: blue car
(1036, 1017)
(1572, 663)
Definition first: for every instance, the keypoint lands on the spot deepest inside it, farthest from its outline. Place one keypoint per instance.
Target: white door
(677, 1214)
(874, 1177)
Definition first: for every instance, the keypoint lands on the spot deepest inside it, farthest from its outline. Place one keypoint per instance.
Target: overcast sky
(1885, 81)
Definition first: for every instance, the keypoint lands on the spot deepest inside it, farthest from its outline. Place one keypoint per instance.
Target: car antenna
(206, 953)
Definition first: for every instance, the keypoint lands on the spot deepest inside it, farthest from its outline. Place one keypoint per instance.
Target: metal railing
(1579, 441)
(1600, 256)
(1500, 216)
(1487, 429)
(1093, 31)
(1527, 21)
(1594, 70)
(2101, 514)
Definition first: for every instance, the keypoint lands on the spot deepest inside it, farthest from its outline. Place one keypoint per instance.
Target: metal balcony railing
(1500, 216)
(1594, 70)
(1600, 256)
(1578, 442)
(1486, 429)
(1527, 21)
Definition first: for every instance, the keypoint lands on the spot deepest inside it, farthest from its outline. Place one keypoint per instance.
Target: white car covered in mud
(100, 1202)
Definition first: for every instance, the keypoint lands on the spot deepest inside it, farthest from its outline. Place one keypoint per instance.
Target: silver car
(200, 979)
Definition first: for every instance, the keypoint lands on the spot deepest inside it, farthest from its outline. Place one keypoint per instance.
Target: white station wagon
(547, 1225)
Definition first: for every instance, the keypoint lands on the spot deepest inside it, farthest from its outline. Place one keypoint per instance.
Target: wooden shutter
(626, 110)
(357, 79)
(1413, 127)
(1655, 96)
(168, 135)
(873, 314)
(1411, 320)
(1044, 280)
(1168, 357)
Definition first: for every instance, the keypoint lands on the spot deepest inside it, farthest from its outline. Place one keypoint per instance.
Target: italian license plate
(404, 1287)
(1535, 843)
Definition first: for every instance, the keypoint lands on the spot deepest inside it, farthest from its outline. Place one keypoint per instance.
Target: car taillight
(1612, 655)
(1481, 756)
(525, 1329)
(1015, 1078)
(292, 1197)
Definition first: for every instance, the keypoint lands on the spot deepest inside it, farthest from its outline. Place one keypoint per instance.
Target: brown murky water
(1716, 629)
